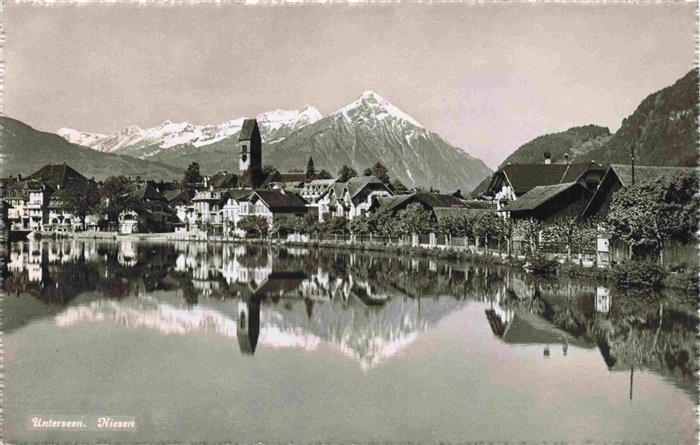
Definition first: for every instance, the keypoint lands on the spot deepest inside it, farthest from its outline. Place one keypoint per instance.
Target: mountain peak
(369, 94)
(373, 105)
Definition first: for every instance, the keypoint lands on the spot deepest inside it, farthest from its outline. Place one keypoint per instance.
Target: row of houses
(549, 191)
(46, 200)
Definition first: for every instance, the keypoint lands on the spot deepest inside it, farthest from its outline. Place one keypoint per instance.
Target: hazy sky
(486, 77)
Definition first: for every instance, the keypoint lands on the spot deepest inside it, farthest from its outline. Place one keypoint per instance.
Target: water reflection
(369, 308)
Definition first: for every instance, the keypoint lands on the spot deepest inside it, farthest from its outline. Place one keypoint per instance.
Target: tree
(254, 225)
(380, 172)
(82, 199)
(310, 169)
(284, 225)
(324, 174)
(110, 202)
(649, 213)
(383, 223)
(336, 225)
(367, 172)
(346, 173)
(359, 226)
(192, 174)
(486, 225)
(562, 231)
(414, 219)
(272, 173)
(528, 230)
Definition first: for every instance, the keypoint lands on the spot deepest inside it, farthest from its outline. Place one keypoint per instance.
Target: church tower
(250, 157)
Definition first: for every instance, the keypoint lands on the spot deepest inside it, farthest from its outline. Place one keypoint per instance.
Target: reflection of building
(127, 253)
(602, 300)
(248, 326)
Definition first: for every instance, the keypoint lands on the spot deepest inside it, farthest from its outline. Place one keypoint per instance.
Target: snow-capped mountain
(368, 130)
(372, 129)
(142, 143)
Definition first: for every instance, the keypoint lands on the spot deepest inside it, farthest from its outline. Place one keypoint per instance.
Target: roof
(280, 282)
(248, 130)
(479, 204)
(58, 175)
(292, 177)
(237, 193)
(525, 177)
(176, 196)
(530, 329)
(434, 200)
(357, 184)
(276, 200)
(645, 172)
(223, 180)
(142, 191)
(538, 196)
(393, 202)
(431, 200)
(322, 182)
(338, 188)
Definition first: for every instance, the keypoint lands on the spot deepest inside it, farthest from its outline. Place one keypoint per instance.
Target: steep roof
(393, 202)
(356, 184)
(434, 200)
(248, 130)
(292, 177)
(143, 191)
(176, 196)
(525, 177)
(278, 201)
(223, 180)
(538, 196)
(645, 172)
(61, 175)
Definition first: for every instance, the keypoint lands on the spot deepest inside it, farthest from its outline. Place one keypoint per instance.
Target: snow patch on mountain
(273, 125)
(78, 137)
(373, 104)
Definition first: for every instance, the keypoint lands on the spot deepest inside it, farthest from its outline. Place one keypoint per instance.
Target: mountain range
(366, 131)
(25, 150)
(663, 129)
(574, 142)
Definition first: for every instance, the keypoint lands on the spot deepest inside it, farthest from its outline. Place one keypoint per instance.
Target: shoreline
(563, 268)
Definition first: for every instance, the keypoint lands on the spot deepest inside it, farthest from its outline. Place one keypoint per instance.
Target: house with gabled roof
(549, 202)
(440, 206)
(353, 198)
(618, 176)
(512, 181)
(270, 204)
(59, 176)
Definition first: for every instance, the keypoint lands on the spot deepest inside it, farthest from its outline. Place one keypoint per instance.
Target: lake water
(215, 343)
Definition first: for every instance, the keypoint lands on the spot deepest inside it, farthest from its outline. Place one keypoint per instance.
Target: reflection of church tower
(250, 160)
(248, 328)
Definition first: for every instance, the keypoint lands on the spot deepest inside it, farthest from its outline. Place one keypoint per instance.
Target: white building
(352, 198)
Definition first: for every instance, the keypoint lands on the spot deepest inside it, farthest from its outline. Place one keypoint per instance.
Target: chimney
(566, 158)
(547, 158)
